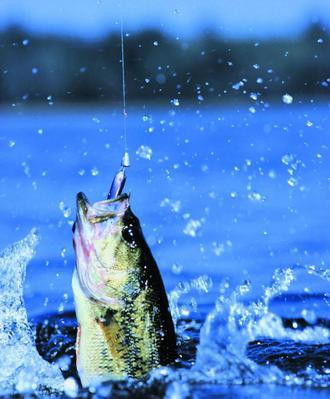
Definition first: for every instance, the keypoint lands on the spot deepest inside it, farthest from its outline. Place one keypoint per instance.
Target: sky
(91, 19)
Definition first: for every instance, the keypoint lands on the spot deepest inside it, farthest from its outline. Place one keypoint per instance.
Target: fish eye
(129, 235)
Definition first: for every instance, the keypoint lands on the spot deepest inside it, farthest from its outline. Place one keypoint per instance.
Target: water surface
(221, 192)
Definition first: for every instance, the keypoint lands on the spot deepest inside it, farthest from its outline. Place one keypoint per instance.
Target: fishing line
(119, 180)
(123, 80)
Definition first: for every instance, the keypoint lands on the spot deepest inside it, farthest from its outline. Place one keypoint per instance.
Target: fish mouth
(93, 243)
(101, 210)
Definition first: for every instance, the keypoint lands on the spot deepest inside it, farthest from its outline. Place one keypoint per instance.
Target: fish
(125, 328)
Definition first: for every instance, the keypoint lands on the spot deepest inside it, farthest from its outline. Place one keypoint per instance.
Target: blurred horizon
(178, 50)
(52, 68)
(95, 19)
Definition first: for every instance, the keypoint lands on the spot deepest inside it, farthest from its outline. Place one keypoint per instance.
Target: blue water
(227, 193)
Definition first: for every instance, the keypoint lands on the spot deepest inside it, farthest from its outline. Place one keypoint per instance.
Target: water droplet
(292, 182)
(65, 209)
(175, 102)
(238, 85)
(256, 197)
(26, 169)
(192, 227)
(35, 70)
(218, 248)
(254, 96)
(175, 206)
(71, 387)
(144, 152)
(96, 120)
(64, 363)
(25, 42)
(94, 171)
(155, 43)
(50, 100)
(287, 159)
(272, 174)
(287, 98)
(177, 269)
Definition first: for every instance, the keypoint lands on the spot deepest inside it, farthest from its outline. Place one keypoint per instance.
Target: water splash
(232, 324)
(224, 354)
(201, 284)
(22, 369)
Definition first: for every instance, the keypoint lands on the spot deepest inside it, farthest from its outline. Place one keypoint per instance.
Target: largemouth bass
(125, 326)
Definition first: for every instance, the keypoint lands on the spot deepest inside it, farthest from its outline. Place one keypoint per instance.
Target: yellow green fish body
(125, 327)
